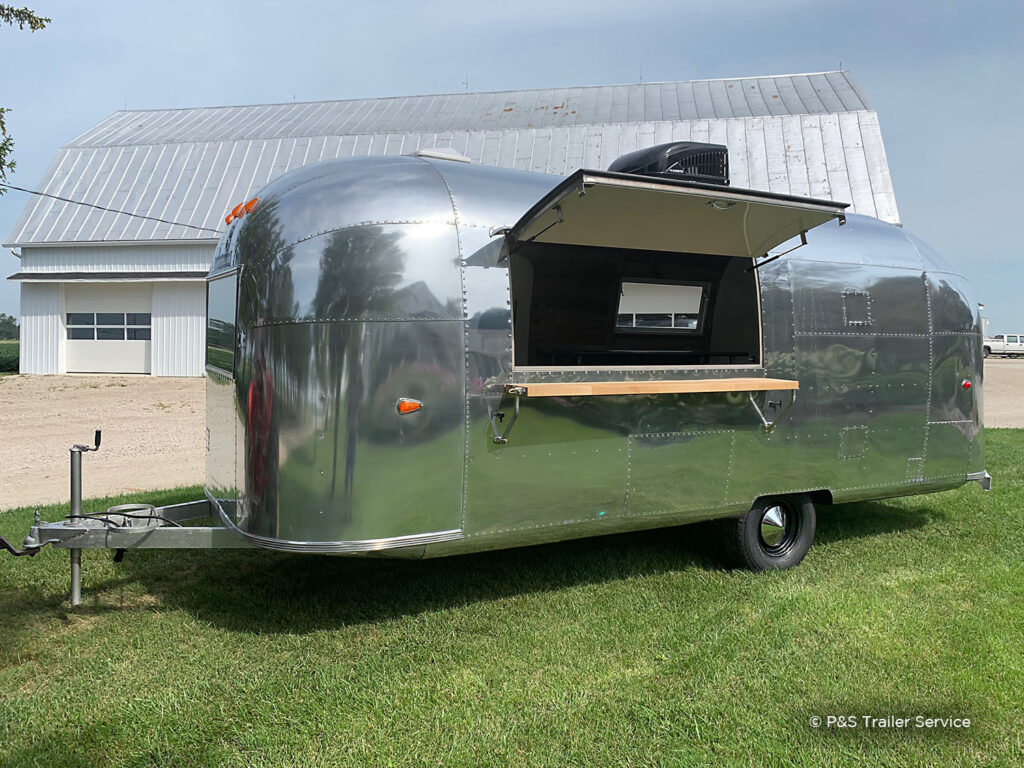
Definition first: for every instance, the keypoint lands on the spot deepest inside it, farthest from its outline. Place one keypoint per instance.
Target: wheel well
(820, 496)
(823, 496)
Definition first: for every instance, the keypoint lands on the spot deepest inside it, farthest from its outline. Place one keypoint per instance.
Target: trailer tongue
(121, 527)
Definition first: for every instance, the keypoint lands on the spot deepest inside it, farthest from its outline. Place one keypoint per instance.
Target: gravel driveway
(153, 435)
(153, 430)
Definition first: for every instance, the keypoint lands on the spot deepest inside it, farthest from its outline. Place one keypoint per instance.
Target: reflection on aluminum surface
(365, 281)
(327, 455)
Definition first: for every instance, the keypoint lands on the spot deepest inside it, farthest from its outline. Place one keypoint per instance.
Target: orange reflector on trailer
(251, 204)
(229, 218)
(238, 210)
(407, 405)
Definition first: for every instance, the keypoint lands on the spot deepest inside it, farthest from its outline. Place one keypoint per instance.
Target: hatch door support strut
(758, 265)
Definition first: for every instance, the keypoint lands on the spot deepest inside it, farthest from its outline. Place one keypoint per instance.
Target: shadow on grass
(262, 591)
(874, 518)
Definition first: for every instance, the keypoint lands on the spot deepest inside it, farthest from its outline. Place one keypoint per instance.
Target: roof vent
(680, 160)
(442, 153)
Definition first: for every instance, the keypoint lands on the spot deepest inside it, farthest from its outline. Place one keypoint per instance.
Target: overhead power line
(109, 210)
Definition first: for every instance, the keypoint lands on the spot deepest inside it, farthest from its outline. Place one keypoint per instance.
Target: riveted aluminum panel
(345, 193)
(859, 377)
(222, 421)
(778, 345)
(861, 240)
(490, 197)
(679, 472)
(950, 450)
(952, 307)
(327, 458)
(516, 488)
(854, 299)
(369, 272)
(955, 361)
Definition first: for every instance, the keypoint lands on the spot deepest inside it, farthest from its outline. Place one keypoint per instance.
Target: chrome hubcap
(773, 526)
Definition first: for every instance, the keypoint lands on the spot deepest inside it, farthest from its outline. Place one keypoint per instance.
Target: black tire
(987, 351)
(751, 543)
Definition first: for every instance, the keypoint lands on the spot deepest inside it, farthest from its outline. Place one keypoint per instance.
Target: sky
(944, 77)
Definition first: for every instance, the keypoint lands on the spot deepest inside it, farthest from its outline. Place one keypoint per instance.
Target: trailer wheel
(775, 534)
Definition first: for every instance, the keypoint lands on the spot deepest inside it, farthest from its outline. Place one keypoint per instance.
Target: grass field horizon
(633, 649)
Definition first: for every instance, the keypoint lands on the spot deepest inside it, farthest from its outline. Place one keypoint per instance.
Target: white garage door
(108, 327)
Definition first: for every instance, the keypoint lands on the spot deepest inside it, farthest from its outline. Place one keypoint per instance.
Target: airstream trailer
(417, 356)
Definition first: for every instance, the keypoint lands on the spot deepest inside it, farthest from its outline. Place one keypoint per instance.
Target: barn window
(109, 326)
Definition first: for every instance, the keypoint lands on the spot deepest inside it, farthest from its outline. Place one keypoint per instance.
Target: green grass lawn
(8, 356)
(625, 650)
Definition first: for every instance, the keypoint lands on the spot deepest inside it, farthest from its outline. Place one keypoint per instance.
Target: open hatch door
(617, 210)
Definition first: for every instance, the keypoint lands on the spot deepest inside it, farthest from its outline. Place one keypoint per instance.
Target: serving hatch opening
(618, 270)
(587, 306)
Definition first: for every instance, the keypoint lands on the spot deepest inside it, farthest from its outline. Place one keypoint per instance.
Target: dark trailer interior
(590, 306)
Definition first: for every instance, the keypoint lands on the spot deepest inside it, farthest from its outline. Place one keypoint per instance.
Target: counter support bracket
(498, 435)
(769, 424)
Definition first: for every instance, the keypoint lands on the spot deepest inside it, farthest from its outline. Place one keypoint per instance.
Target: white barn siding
(42, 328)
(179, 328)
(137, 257)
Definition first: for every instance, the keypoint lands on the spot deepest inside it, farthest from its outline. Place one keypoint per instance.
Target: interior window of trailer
(646, 307)
(577, 306)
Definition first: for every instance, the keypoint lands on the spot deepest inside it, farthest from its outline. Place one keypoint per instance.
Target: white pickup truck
(1010, 345)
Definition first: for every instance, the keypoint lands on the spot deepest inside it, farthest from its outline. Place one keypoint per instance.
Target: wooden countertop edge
(597, 388)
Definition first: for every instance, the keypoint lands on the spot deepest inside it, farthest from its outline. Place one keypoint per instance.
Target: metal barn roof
(810, 135)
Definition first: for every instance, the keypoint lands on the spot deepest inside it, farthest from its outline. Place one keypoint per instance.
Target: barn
(107, 292)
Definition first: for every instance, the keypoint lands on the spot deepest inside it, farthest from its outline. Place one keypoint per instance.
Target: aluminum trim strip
(336, 547)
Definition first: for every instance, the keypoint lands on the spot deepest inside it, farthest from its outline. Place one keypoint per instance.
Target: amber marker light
(407, 405)
(251, 204)
(229, 218)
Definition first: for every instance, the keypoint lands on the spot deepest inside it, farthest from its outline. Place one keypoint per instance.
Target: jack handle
(96, 447)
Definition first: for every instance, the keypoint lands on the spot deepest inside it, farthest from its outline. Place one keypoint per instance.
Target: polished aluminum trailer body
(356, 283)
